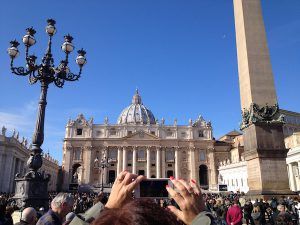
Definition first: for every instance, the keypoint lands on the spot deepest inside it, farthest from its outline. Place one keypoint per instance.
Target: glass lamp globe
(50, 29)
(13, 52)
(81, 60)
(28, 40)
(67, 47)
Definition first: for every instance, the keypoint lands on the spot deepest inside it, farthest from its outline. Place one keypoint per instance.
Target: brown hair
(137, 212)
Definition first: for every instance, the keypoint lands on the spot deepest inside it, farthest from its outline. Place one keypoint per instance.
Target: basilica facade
(141, 144)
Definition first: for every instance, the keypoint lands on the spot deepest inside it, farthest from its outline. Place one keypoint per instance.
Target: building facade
(14, 154)
(141, 144)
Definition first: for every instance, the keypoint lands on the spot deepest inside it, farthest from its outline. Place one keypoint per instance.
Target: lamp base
(32, 190)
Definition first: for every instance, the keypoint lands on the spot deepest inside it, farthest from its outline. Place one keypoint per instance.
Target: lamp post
(104, 163)
(33, 186)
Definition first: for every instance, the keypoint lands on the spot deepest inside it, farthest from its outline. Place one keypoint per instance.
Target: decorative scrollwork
(257, 114)
(59, 82)
(72, 77)
(21, 71)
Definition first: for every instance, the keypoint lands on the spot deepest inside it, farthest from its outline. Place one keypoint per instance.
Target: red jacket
(234, 215)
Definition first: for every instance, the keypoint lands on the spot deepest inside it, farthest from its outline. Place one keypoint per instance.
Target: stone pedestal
(32, 190)
(265, 154)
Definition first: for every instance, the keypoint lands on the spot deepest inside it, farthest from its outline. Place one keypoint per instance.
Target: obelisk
(262, 123)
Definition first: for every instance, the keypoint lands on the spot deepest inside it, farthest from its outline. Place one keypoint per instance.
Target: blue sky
(180, 54)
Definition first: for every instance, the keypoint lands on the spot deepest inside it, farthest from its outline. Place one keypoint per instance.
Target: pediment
(141, 135)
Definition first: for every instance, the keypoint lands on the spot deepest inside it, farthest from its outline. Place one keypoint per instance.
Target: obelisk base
(265, 154)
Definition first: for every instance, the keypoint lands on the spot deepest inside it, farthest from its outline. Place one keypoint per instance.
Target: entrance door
(203, 176)
(111, 176)
(170, 173)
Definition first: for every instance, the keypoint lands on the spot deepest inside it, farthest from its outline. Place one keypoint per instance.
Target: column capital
(193, 148)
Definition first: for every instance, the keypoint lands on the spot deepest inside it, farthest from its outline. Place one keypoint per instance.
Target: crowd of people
(186, 205)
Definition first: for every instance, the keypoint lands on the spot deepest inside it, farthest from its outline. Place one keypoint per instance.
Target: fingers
(195, 186)
(135, 183)
(188, 187)
(176, 196)
(181, 188)
(129, 177)
(121, 176)
(176, 212)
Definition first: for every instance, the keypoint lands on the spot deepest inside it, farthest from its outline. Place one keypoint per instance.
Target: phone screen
(153, 188)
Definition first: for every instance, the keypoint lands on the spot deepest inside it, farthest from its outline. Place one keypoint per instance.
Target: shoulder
(202, 219)
(46, 220)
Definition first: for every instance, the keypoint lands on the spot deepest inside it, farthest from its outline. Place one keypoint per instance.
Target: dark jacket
(50, 218)
(21, 223)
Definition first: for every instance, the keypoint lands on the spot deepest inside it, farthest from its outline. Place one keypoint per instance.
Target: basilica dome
(136, 113)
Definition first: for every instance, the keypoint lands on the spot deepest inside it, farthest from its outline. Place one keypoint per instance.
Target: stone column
(2, 160)
(292, 177)
(134, 160)
(119, 166)
(67, 167)
(177, 163)
(148, 163)
(105, 170)
(87, 152)
(125, 158)
(158, 163)
(264, 147)
(13, 173)
(163, 163)
(192, 163)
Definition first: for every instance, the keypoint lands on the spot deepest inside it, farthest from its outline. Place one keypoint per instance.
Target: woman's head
(137, 212)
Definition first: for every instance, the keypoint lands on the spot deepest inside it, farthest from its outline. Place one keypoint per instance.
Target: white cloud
(20, 118)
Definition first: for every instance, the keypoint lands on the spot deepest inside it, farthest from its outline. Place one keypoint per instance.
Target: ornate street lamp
(104, 163)
(32, 188)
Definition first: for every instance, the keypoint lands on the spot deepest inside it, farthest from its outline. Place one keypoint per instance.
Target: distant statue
(190, 122)
(162, 121)
(91, 121)
(106, 120)
(75, 177)
(14, 133)
(175, 122)
(25, 142)
(4, 130)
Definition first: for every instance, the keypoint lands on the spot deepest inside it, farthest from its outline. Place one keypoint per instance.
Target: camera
(153, 188)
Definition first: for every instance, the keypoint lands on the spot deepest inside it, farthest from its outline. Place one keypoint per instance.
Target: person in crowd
(69, 217)
(234, 214)
(283, 218)
(8, 212)
(61, 205)
(28, 217)
(3, 219)
(256, 215)
(248, 207)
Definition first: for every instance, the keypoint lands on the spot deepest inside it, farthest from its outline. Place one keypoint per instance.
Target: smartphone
(153, 188)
